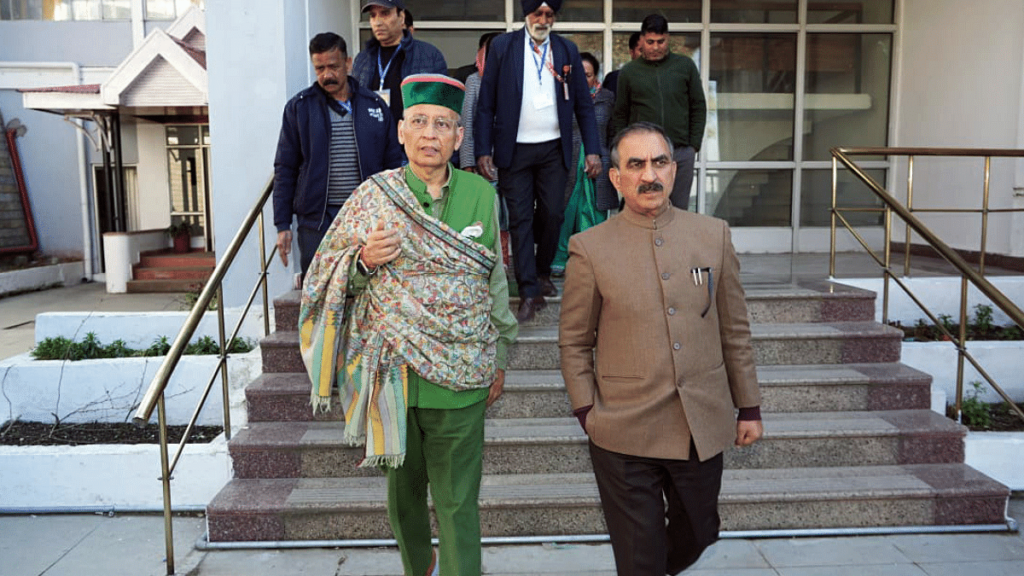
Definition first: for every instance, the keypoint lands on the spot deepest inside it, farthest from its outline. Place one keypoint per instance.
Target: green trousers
(443, 450)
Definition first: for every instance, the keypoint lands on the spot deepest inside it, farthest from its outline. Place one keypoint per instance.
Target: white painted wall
(251, 71)
(961, 86)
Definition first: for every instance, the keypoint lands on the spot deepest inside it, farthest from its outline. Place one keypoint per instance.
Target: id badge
(385, 95)
(542, 101)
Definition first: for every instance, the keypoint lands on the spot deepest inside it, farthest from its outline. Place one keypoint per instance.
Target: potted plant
(181, 234)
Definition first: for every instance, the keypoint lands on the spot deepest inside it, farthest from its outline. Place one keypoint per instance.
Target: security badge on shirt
(542, 101)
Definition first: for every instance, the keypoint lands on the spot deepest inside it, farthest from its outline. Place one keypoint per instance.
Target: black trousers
(309, 238)
(534, 191)
(634, 491)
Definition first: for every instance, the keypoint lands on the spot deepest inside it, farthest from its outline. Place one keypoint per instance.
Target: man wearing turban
(533, 85)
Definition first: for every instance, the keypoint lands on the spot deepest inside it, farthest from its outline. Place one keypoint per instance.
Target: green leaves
(61, 348)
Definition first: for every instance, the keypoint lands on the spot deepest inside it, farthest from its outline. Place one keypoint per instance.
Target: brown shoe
(529, 307)
(547, 287)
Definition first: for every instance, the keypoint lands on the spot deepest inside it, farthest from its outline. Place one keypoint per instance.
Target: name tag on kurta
(542, 101)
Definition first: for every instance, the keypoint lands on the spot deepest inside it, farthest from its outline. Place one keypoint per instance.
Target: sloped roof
(75, 89)
(163, 71)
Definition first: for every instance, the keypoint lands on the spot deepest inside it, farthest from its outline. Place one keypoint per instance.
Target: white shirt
(538, 115)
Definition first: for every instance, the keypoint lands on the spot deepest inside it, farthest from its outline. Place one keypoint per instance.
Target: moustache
(330, 82)
(652, 187)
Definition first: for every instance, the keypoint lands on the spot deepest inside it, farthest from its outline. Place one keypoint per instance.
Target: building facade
(786, 81)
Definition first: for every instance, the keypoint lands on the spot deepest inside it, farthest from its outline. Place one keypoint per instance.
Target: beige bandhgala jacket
(634, 343)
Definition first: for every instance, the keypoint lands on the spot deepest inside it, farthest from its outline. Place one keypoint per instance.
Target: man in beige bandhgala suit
(656, 357)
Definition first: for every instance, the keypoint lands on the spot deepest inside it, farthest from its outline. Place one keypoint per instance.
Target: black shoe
(528, 308)
(547, 287)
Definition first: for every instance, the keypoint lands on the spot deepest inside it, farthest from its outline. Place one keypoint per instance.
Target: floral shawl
(428, 310)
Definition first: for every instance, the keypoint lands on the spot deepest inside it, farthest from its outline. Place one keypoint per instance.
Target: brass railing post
(961, 346)
(263, 273)
(910, 207)
(165, 479)
(886, 272)
(832, 247)
(225, 380)
(984, 217)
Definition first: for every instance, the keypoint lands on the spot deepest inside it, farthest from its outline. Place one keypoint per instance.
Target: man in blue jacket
(392, 54)
(334, 135)
(533, 85)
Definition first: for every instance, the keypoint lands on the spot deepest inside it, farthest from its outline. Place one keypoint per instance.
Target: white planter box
(110, 390)
(122, 477)
(64, 274)
(997, 454)
(1004, 361)
(140, 329)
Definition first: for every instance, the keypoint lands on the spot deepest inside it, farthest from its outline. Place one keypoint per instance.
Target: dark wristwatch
(363, 269)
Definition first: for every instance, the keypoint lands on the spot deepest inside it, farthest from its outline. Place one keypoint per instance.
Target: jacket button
(658, 241)
(665, 275)
(671, 311)
(677, 346)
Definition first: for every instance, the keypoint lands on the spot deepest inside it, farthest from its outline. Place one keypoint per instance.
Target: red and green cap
(433, 89)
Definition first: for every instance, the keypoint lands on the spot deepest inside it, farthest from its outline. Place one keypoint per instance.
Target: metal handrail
(967, 274)
(154, 397)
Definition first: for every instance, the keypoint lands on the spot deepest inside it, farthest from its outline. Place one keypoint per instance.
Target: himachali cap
(530, 6)
(384, 3)
(433, 89)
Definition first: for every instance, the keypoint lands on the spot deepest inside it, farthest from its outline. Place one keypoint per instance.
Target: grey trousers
(684, 157)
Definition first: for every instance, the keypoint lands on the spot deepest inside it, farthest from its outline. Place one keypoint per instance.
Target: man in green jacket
(664, 88)
(405, 306)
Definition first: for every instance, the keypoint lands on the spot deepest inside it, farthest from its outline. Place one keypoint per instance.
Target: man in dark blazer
(656, 357)
(532, 86)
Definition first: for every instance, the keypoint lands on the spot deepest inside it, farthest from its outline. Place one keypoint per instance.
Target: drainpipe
(83, 166)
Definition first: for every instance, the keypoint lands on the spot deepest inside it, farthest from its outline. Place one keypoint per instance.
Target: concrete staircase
(167, 271)
(850, 440)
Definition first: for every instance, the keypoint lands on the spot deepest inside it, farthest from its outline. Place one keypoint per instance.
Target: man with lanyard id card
(532, 88)
(392, 54)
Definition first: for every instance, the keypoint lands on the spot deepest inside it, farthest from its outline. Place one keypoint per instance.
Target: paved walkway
(86, 545)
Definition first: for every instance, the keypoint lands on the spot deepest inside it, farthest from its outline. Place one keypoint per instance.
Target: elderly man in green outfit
(405, 306)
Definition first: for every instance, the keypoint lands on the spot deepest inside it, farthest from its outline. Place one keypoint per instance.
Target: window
(64, 10)
(785, 80)
(169, 9)
(188, 162)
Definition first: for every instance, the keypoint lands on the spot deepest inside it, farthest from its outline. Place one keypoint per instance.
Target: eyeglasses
(442, 126)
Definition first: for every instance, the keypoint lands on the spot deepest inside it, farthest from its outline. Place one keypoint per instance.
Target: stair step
(558, 445)
(197, 273)
(806, 301)
(559, 504)
(541, 393)
(167, 258)
(774, 344)
(167, 286)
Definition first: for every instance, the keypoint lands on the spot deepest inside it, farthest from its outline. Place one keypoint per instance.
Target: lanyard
(551, 67)
(383, 71)
(543, 60)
